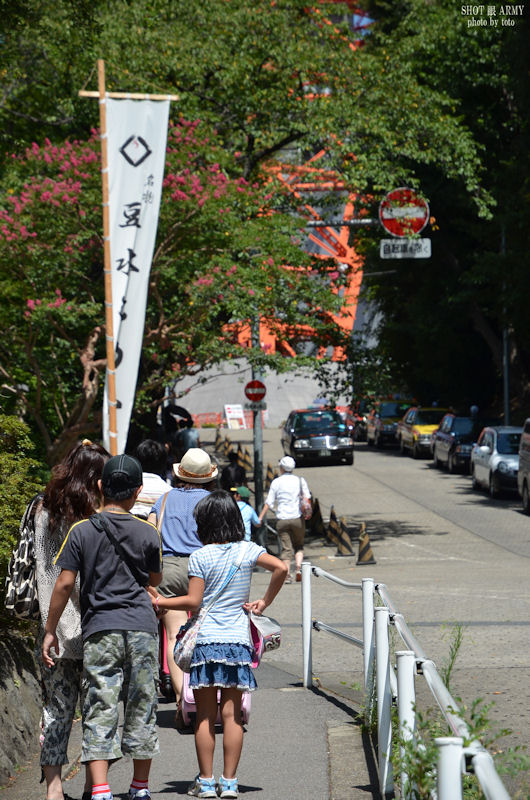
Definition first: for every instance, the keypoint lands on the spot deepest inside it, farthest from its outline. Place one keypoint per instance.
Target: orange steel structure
(326, 241)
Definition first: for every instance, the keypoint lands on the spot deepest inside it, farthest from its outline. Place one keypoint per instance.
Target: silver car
(495, 459)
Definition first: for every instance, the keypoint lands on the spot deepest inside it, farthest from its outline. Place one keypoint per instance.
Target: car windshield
(462, 425)
(318, 421)
(429, 417)
(392, 409)
(508, 443)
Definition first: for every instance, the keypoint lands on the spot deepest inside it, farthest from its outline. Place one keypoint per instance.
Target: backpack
(21, 580)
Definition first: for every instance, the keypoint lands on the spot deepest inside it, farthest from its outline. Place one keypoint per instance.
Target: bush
(21, 477)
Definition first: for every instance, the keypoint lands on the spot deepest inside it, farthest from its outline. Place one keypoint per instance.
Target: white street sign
(405, 248)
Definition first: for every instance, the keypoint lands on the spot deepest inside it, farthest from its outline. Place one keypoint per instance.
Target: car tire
(437, 462)
(349, 459)
(378, 443)
(369, 442)
(493, 483)
(526, 498)
(415, 451)
(401, 446)
(451, 466)
(474, 482)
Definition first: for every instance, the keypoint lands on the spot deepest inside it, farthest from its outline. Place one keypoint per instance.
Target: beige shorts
(174, 576)
(291, 533)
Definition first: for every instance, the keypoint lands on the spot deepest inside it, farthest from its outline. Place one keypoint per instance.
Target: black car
(453, 441)
(382, 422)
(314, 434)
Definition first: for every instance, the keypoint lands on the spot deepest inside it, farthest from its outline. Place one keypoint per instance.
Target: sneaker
(105, 796)
(145, 794)
(227, 787)
(203, 787)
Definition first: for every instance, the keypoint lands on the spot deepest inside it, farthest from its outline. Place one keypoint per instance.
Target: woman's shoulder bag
(21, 581)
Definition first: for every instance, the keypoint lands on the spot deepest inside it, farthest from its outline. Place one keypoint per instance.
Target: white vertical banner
(137, 137)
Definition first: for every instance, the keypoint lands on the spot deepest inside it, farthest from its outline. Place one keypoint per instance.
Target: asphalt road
(447, 556)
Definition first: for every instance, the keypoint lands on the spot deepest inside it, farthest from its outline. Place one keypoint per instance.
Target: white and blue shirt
(249, 518)
(225, 621)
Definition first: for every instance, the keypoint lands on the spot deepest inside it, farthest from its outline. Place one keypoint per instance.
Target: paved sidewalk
(298, 742)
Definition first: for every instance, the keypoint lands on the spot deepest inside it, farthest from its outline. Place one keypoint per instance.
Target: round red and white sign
(403, 212)
(255, 391)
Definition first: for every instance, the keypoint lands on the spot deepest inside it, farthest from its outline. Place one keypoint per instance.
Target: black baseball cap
(121, 476)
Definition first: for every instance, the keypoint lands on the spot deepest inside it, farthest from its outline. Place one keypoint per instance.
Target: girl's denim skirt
(226, 665)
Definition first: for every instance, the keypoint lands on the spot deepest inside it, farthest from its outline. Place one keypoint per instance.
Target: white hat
(196, 467)
(287, 463)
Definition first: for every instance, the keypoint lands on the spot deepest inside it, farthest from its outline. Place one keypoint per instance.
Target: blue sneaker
(203, 787)
(227, 787)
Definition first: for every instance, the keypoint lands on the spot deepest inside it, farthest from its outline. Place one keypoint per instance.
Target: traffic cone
(247, 461)
(269, 477)
(365, 549)
(333, 531)
(345, 547)
(240, 456)
(316, 523)
(218, 440)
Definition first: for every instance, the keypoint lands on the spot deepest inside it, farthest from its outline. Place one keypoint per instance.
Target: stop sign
(403, 212)
(255, 391)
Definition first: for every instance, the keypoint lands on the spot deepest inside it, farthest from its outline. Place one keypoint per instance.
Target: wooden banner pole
(109, 326)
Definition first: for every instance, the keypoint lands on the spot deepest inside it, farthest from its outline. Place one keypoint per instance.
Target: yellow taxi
(415, 429)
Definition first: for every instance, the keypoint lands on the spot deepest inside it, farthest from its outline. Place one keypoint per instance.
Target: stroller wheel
(166, 687)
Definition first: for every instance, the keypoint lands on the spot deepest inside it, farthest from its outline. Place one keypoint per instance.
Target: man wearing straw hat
(195, 476)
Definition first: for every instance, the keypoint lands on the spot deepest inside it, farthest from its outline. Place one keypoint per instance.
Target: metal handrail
(388, 688)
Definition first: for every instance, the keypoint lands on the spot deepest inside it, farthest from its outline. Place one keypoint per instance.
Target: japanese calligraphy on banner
(137, 136)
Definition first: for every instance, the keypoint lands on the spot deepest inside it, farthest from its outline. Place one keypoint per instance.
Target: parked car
(382, 422)
(523, 476)
(414, 431)
(311, 434)
(453, 440)
(495, 459)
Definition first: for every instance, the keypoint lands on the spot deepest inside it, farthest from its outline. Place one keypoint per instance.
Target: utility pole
(256, 424)
(505, 346)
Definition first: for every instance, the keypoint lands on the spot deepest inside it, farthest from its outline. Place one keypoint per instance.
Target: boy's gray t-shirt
(110, 597)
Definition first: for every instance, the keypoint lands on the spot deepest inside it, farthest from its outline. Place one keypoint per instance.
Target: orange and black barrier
(218, 440)
(316, 523)
(247, 461)
(269, 477)
(227, 446)
(240, 456)
(365, 548)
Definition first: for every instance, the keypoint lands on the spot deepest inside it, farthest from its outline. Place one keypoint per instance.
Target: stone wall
(20, 699)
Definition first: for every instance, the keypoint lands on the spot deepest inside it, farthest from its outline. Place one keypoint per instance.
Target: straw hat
(195, 467)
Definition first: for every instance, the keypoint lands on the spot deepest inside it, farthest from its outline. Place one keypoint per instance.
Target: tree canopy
(255, 80)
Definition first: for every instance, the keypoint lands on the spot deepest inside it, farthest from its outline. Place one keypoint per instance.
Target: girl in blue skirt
(223, 653)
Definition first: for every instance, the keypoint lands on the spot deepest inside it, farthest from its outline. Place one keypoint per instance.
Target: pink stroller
(189, 709)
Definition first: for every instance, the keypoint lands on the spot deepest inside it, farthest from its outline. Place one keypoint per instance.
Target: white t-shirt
(153, 487)
(285, 492)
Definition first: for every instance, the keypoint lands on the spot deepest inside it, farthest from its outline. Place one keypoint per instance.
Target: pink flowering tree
(224, 255)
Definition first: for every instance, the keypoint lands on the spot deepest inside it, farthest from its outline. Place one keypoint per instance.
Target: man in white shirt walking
(286, 493)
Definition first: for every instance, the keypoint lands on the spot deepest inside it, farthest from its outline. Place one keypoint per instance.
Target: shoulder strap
(162, 509)
(233, 569)
(102, 523)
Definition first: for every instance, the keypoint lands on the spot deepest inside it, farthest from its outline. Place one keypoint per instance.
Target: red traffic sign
(403, 212)
(255, 391)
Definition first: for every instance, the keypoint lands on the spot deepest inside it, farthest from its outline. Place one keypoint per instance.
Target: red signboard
(403, 212)
(255, 391)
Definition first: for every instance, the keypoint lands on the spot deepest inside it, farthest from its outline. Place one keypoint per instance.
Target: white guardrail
(454, 758)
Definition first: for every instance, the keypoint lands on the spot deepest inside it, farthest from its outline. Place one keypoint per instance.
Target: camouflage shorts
(114, 661)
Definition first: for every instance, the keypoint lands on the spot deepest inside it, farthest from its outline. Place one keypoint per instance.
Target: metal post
(450, 761)
(368, 642)
(505, 346)
(256, 426)
(384, 701)
(307, 624)
(406, 662)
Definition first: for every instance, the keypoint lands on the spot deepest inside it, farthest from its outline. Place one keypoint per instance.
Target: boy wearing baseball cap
(117, 555)
(242, 496)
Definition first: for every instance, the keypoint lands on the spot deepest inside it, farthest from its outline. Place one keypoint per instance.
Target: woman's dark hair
(219, 519)
(152, 456)
(72, 492)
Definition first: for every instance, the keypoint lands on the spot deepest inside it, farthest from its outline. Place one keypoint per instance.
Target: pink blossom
(31, 304)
